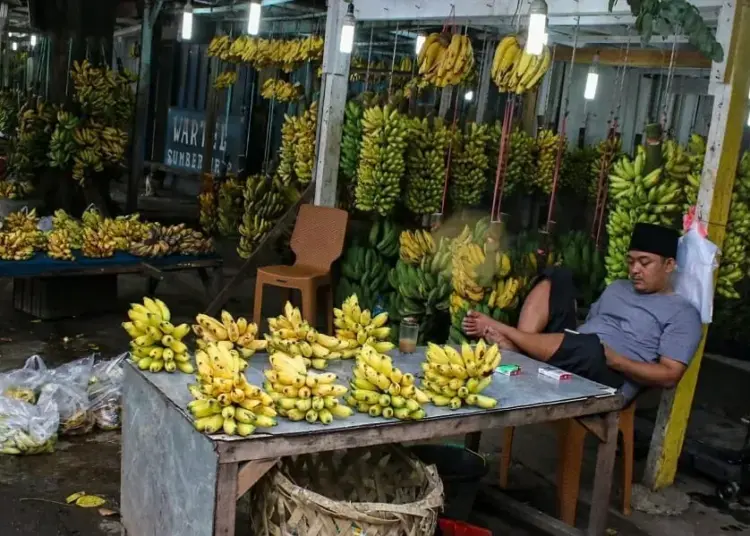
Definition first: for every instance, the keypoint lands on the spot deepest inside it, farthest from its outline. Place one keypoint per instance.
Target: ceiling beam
(636, 57)
(634, 40)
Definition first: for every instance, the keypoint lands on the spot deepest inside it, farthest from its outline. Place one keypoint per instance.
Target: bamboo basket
(380, 491)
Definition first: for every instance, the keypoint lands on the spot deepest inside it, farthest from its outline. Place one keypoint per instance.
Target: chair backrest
(318, 237)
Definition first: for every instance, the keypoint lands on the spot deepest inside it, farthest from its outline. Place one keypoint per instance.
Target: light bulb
(469, 96)
(421, 38)
(536, 37)
(14, 46)
(187, 22)
(592, 79)
(253, 19)
(33, 40)
(346, 44)
(748, 120)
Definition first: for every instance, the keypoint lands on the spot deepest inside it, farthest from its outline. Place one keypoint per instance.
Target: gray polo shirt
(644, 327)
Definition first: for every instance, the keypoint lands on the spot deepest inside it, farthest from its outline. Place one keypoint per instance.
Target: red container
(458, 528)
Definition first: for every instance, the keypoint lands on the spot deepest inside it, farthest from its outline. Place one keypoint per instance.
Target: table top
(523, 392)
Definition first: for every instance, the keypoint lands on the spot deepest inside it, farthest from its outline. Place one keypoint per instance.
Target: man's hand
(665, 373)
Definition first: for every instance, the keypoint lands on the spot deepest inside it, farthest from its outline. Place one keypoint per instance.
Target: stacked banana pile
(469, 167)
(260, 53)
(230, 206)
(516, 71)
(734, 251)
(416, 246)
(156, 344)
(381, 390)
(580, 254)
(364, 268)
(548, 144)
(350, 146)
(281, 90)
(357, 327)
(160, 240)
(20, 236)
(425, 165)
(66, 235)
(696, 155)
(576, 171)
(677, 167)
(454, 379)
(234, 333)
(265, 201)
(208, 212)
(10, 103)
(98, 243)
(446, 60)
(302, 395)
(15, 189)
(29, 148)
(224, 400)
(608, 150)
(292, 335)
(423, 289)
(381, 164)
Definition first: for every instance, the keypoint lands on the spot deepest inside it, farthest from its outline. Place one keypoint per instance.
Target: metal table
(176, 480)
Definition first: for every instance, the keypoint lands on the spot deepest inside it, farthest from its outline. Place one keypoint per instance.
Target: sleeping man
(638, 334)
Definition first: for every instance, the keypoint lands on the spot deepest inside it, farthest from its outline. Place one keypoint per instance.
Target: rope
(269, 127)
(668, 88)
(450, 152)
(547, 107)
(369, 59)
(502, 160)
(393, 63)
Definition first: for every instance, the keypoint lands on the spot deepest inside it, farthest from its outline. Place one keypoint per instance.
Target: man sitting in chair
(638, 334)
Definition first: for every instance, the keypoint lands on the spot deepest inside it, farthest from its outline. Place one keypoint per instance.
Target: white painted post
(331, 107)
(485, 84)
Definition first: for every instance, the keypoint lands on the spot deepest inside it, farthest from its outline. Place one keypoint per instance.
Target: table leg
(472, 440)
(605, 464)
(225, 511)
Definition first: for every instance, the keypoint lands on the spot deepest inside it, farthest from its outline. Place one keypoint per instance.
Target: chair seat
(292, 273)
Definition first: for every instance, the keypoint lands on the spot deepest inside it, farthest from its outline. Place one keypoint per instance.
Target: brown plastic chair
(317, 241)
(571, 438)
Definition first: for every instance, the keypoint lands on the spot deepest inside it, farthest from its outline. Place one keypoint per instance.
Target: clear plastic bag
(696, 262)
(73, 405)
(24, 383)
(105, 392)
(26, 429)
(76, 373)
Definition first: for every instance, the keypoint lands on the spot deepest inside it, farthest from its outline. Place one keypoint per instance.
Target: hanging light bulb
(537, 27)
(253, 19)
(187, 22)
(469, 96)
(592, 79)
(421, 38)
(33, 40)
(14, 46)
(346, 44)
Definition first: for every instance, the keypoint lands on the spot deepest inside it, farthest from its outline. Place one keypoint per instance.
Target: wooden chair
(571, 438)
(317, 241)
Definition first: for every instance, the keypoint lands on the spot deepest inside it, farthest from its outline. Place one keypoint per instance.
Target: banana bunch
(280, 90)
(98, 243)
(452, 379)
(59, 245)
(608, 150)
(364, 272)
(516, 71)
(265, 201)
(10, 103)
(742, 181)
(24, 441)
(405, 65)
(384, 238)
(285, 170)
(423, 289)
(292, 335)
(470, 278)
(63, 145)
(445, 60)
(356, 327)
(733, 266)
(62, 221)
(381, 164)
(21, 220)
(425, 165)
(303, 395)
(469, 168)
(521, 165)
(696, 151)
(224, 400)
(381, 390)
(230, 206)
(576, 171)
(581, 256)
(416, 246)
(156, 344)
(15, 189)
(261, 53)
(677, 168)
(24, 394)
(620, 225)
(505, 294)
(208, 211)
(237, 332)
(350, 145)
(195, 243)
(304, 145)
(225, 79)
(28, 149)
(548, 144)
(159, 240)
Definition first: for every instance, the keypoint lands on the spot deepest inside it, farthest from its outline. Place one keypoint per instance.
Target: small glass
(407, 336)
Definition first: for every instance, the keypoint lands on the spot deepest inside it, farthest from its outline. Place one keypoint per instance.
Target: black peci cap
(651, 238)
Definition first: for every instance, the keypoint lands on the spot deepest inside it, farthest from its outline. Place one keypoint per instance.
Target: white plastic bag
(105, 392)
(24, 383)
(74, 407)
(26, 429)
(696, 262)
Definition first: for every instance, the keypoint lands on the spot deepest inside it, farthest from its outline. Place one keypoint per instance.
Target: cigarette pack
(555, 373)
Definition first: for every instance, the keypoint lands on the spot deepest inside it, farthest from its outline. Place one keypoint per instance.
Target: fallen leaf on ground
(106, 512)
(37, 321)
(75, 496)
(90, 501)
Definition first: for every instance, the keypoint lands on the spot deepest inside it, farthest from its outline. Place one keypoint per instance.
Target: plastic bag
(105, 393)
(27, 429)
(696, 262)
(76, 373)
(24, 383)
(73, 407)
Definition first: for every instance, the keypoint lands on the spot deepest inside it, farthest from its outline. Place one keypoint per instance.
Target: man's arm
(666, 373)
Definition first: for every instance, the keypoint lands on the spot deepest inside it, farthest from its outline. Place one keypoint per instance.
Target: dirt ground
(33, 489)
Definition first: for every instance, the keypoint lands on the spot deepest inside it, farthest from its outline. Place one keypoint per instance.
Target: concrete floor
(33, 489)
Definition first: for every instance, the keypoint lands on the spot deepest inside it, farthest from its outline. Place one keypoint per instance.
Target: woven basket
(380, 491)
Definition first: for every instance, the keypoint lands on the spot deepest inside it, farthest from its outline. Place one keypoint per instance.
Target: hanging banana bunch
(522, 161)
(230, 205)
(351, 141)
(516, 71)
(286, 54)
(548, 144)
(225, 79)
(446, 60)
(304, 145)
(425, 165)
(469, 167)
(281, 90)
(607, 150)
(576, 171)
(264, 201)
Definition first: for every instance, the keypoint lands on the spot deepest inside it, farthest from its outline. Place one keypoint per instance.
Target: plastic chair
(317, 242)
(571, 438)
